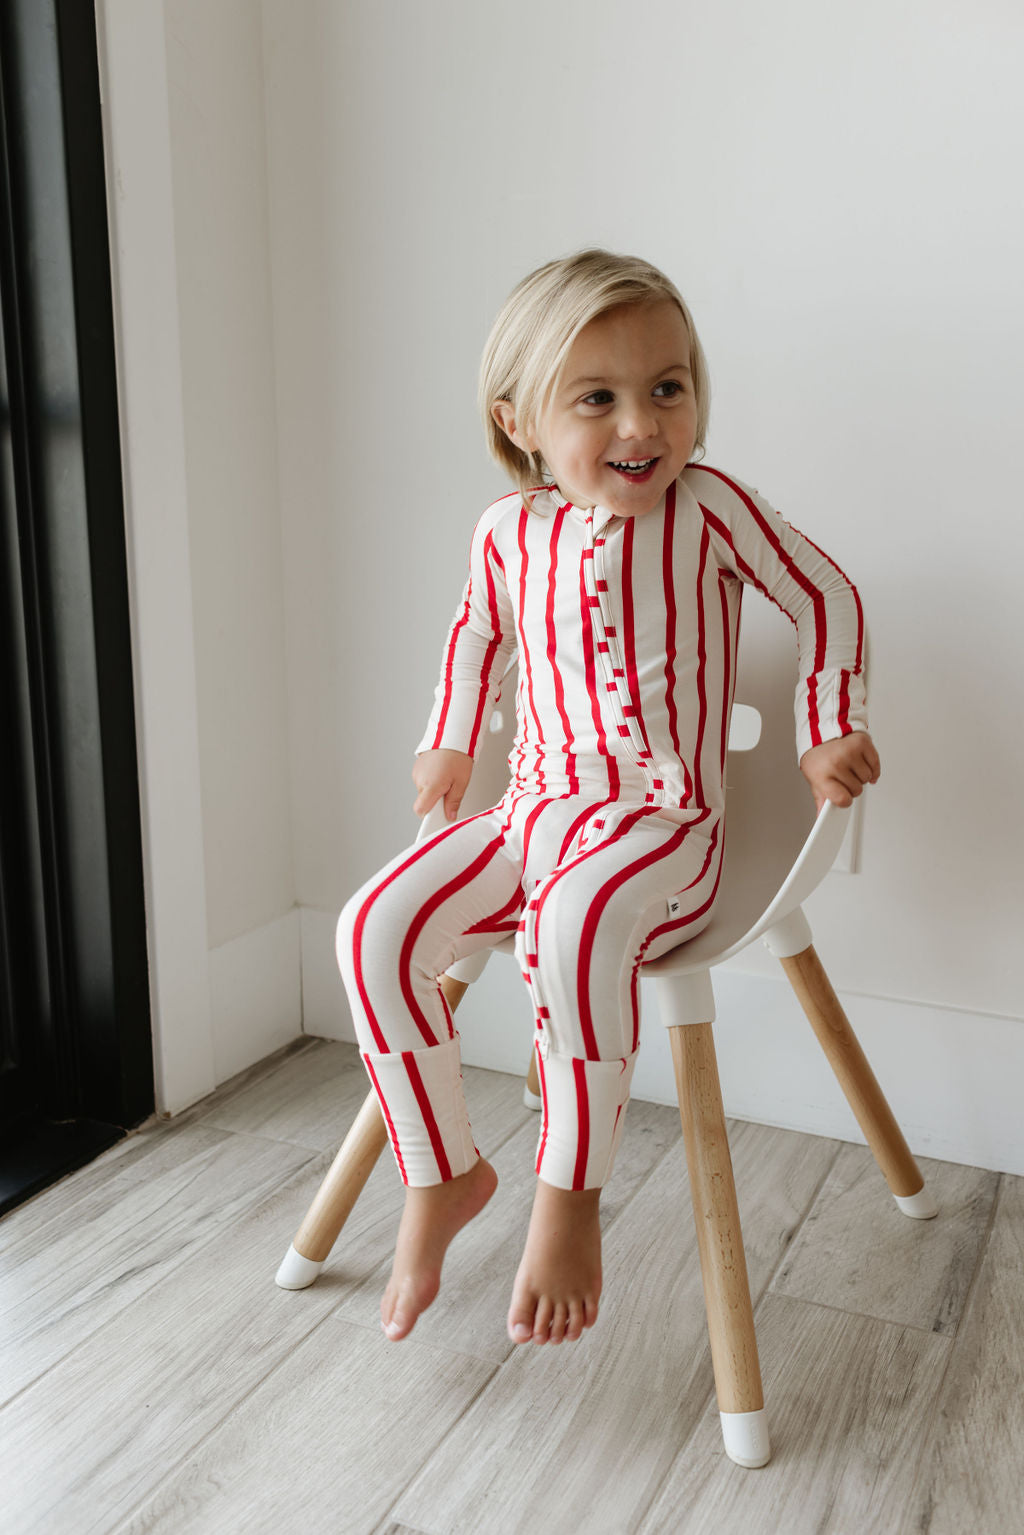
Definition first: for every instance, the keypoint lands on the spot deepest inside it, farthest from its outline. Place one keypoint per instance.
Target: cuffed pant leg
(584, 1108)
(420, 1093)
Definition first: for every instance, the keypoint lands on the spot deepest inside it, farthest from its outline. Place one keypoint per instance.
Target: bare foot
(558, 1285)
(431, 1218)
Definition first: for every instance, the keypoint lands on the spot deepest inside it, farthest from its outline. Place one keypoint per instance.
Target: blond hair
(538, 324)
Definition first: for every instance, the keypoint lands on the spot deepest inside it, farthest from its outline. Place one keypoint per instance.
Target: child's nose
(637, 420)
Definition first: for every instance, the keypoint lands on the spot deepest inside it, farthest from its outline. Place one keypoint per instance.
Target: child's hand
(441, 774)
(838, 770)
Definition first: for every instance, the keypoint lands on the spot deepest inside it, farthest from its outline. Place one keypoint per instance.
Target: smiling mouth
(637, 469)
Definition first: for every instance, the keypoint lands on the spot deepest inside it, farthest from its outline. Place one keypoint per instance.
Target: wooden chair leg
(345, 1180)
(825, 1014)
(720, 1241)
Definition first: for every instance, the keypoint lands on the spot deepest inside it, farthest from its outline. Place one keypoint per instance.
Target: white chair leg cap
(920, 1205)
(296, 1272)
(532, 1100)
(746, 1438)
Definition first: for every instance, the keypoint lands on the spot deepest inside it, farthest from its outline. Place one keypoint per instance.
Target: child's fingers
(427, 798)
(452, 801)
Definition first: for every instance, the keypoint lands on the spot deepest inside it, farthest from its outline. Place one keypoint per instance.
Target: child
(619, 582)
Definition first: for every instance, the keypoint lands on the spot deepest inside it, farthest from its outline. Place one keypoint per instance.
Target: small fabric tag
(675, 906)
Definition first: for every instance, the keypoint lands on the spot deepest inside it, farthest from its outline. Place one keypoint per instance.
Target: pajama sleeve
(753, 541)
(480, 641)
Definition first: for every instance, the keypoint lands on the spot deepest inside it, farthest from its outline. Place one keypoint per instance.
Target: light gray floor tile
(67, 1284)
(96, 1434)
(307, 1451)
(848, 1400)
(858, 1251)
(973, 1468)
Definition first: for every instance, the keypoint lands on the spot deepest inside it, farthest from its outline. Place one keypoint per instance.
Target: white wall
(353, 189)
(186, 162)
(831, 187)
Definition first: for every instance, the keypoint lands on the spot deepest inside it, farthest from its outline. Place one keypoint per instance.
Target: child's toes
(542, 1320)
(520, 1320)
(396, 1320)
(574, 1323)
(559, 1322)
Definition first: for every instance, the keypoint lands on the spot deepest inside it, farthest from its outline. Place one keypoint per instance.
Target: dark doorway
(76, 1065)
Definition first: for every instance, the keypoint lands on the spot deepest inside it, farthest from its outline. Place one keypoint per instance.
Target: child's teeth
(634, 463)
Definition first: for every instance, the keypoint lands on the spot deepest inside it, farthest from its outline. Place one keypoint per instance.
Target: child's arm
(441, 774)
(480, 641)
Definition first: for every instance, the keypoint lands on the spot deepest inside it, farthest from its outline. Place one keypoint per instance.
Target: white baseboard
(952, 1078)
(255, 995)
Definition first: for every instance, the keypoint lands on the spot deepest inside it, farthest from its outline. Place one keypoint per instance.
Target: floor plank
(65, 1285)
(611, 1411)
(859, 1252)
(309, 1101)
(158, 1377)
(303, 1454)
(469, 1315)
(971, 1475)
(848, 1400)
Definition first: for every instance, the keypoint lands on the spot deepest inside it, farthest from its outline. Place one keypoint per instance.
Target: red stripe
(492, 645)
(579, 1177)
(726, 668)
(843, 718)
(671, 620)
(443, 1164)
(629, 639)
(387, 1118)
(542, 1144)
(449, 662)
(702, 659)
(591, 676)
(524, 565)
(549, 618)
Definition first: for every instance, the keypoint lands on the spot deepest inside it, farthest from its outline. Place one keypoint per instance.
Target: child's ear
(504, 413)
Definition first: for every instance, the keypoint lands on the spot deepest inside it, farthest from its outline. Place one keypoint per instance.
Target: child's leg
(638, 886)
(395, 937)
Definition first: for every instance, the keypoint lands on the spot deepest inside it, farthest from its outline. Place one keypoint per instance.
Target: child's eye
(668, 388)
(599, 397)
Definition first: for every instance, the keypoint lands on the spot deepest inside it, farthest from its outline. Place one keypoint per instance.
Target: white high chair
(776, 854)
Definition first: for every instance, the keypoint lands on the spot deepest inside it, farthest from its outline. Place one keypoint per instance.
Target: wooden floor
(153, 1377)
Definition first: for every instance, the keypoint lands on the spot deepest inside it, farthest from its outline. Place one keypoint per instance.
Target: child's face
(621, 423)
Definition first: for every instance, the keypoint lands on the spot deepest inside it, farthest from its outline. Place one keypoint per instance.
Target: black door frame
(76, 1057)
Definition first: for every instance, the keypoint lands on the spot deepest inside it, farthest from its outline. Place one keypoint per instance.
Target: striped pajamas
(606, 849)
